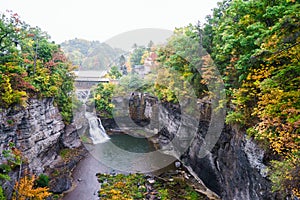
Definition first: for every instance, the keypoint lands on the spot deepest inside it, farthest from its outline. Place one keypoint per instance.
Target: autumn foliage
(256, 46)
(25, 190)
(32, 66)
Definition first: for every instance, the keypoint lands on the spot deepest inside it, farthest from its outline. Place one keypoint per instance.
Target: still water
(122, 153)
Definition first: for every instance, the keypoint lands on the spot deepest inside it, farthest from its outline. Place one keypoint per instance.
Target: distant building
(150, 62)
(140, 69)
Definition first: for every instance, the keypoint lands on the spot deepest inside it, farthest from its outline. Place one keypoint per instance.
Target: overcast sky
(101, 20)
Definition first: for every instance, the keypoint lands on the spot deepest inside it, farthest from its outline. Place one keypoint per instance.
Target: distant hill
(90, 55)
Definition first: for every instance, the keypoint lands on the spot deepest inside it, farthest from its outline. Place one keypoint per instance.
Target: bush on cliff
(32, 66)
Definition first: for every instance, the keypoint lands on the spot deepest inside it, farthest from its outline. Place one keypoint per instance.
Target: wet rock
(233, 169)
(60, 184)
(70, 138)
(227, 169)
(39, 132)
(177, 164)
(151, 180)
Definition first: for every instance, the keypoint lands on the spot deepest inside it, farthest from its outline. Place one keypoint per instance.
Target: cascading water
(96, 130)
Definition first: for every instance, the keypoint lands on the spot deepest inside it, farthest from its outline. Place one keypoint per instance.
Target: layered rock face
(35, 130)
(233, 168)
(39, 133)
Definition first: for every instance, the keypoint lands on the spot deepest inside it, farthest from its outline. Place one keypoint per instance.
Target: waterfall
(96, 130)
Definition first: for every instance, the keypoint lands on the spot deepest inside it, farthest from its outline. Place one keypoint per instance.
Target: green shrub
(2, 197)
(10, 121)
(235, 118)
(42, 181)
(64, 153)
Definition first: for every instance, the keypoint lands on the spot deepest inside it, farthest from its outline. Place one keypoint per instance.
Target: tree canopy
(256, 46)
(32, 66)
(90, 55)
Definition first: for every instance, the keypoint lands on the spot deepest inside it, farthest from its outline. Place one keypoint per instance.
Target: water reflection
(129, 154)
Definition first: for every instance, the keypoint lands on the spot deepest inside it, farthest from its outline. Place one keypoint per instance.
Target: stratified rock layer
(35, 130)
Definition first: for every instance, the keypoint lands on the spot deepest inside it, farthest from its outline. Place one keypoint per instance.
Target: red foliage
(57, 58)
(18, 82)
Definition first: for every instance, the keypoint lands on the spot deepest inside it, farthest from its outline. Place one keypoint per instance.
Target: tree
(150, 45)
(255, 45)
(131, 83)
(12, 158)
(25, 190)
(35, 67)
(136, 56)
(134, 46)
(2, 197)
(114, 73)
(89, 55)
(103, 94)
(184, 55)
(10, 35)
(122, 60)
(42, 181)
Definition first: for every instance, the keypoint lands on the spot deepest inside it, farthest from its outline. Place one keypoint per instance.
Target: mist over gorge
(211, 113)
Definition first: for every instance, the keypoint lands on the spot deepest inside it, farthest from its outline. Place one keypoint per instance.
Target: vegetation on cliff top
(256, 47)
(254, 44)
(32, 66)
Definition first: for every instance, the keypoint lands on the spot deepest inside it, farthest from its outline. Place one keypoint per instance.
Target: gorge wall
(38, 131)
(233, 169)
(35, 130)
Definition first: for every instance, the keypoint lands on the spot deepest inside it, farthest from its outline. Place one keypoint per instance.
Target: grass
(85, 139)
(65, 153)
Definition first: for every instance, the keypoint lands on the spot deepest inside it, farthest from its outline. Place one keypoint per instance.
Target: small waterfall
(96, 130)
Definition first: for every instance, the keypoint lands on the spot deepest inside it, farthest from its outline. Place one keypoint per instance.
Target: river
(86, 185)
(117, 153)
(85, 182)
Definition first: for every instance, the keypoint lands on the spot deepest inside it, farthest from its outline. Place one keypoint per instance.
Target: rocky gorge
(235, 168)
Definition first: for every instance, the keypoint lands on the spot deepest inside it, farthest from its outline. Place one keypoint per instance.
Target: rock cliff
(35, 130)
(233, 169)
(39, 132)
